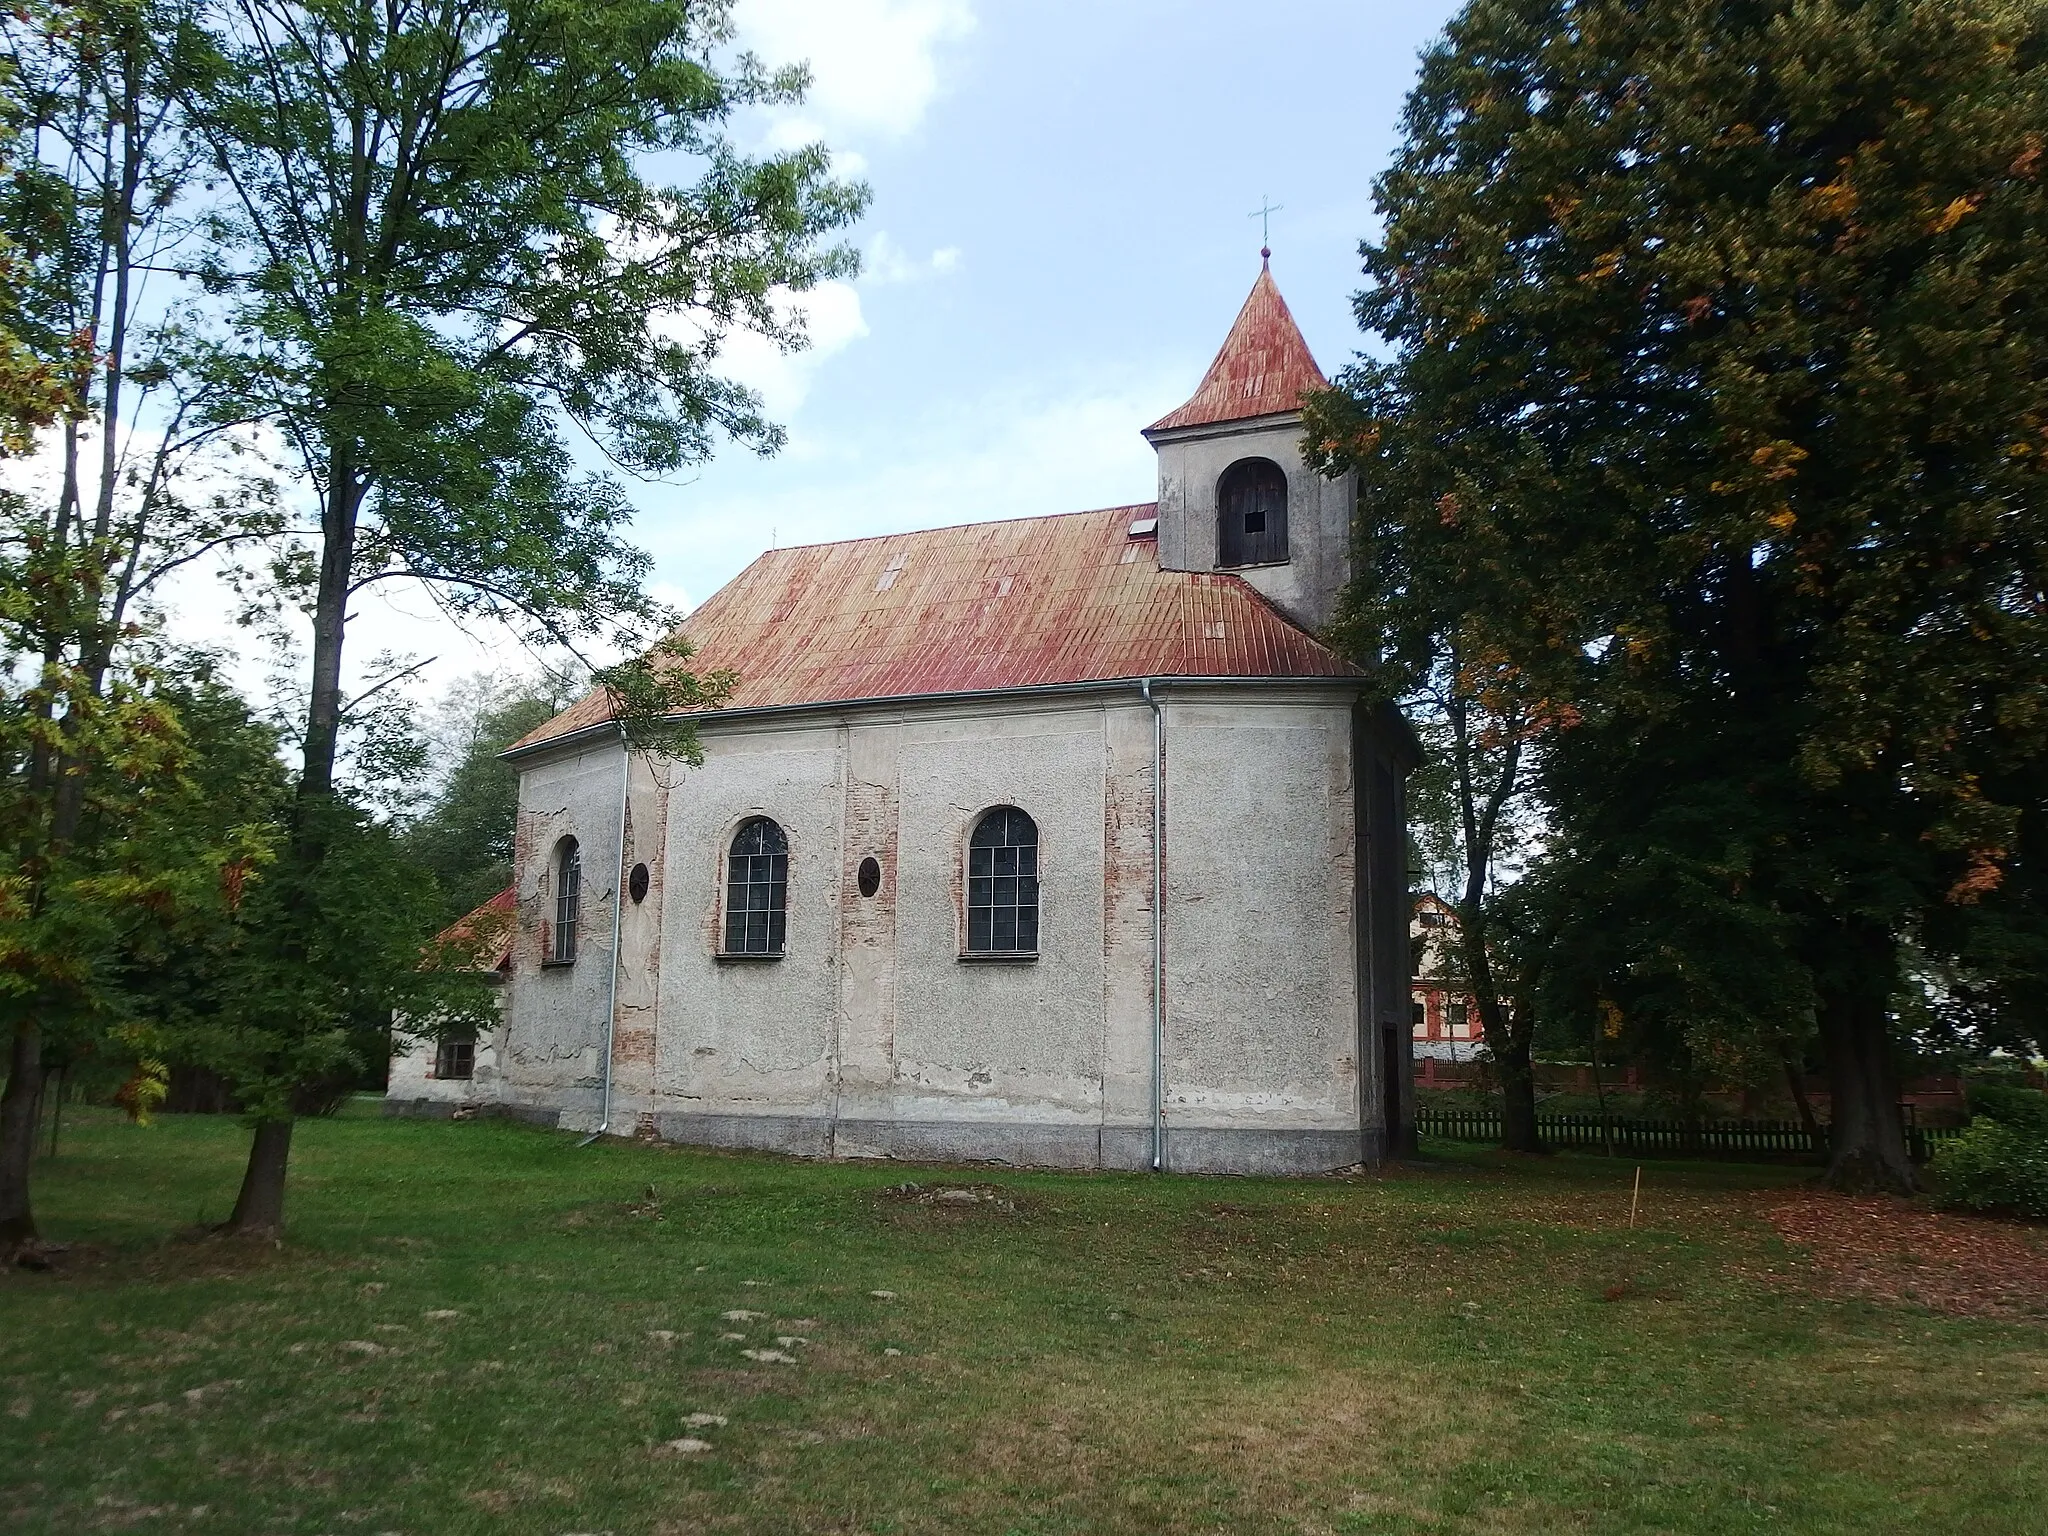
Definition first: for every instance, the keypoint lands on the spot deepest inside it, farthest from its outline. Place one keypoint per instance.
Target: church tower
(1234, 494)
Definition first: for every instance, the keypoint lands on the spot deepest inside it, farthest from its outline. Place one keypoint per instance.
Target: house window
(568, 900)
(455, 1057)
(1430, 918)
(1460, 1016)
(1002, 884)
(1251, 514)
(1418, 1014)
(756, 889)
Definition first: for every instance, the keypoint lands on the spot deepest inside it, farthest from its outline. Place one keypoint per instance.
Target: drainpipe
(611, 1011)
(1158, 925)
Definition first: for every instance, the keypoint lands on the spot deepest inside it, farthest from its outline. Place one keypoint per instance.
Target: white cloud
(875, 64)
(888, 262)
(832, 320)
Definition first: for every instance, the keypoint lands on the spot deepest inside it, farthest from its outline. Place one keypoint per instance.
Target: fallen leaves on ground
(1894, 1250)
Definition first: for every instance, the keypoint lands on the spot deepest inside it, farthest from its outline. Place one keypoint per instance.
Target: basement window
(455, 1057)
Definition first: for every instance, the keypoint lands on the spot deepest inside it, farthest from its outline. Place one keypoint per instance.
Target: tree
(464, 836)
(99, 162)
(443, 252)
(1476, 740)
(1718, 397)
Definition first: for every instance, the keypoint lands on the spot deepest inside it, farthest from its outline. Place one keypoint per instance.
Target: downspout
(1158, 926)
(611, 1011)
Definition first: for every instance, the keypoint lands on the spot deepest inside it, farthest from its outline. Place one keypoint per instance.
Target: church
(1053, 841)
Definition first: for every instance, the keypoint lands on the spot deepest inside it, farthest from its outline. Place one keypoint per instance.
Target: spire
(1263, 369)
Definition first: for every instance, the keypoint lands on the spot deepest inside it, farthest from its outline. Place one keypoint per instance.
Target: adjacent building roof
(489, 928)
(1021, 604)
(1263, 369)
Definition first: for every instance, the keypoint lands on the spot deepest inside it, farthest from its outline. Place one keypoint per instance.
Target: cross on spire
(1264, 214)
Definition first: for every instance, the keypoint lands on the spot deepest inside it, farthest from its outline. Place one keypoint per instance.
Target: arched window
(1002, 884)
(756, 889)
(1251, 514)
(568, 899)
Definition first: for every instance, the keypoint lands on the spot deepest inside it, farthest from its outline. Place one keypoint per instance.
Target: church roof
(1263, 369)
(1028, 603)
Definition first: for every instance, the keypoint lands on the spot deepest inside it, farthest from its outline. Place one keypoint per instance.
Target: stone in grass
(770, 1356)
(704, 1420)
(790, 1340)
(883, 1295)
(662, 1336)
(441, 1315)
(892, 1350)
(688, 1445)
(742, 1315)
(730, 1338)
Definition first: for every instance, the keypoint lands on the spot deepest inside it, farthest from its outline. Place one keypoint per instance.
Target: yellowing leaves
(1954, 214)
(1835, 201)
(1783, 520)
(1610, 1020)
(1779, 460)
(1604, 266)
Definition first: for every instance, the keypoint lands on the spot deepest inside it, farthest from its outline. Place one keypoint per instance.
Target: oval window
(870, 876)
(636, 883)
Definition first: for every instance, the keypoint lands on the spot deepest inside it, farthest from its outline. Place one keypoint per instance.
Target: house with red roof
(1444, 1012)
(1060, 840)
(458, 1069)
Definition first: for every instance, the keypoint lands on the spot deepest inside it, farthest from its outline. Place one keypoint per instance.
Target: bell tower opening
(1236, 493)
(1251, 521)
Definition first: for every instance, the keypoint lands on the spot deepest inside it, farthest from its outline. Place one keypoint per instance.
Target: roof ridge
(978, 522)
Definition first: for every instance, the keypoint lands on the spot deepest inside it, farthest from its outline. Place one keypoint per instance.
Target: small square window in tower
(1251, 514)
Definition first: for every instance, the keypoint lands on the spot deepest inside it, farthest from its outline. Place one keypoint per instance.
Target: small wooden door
(1251, 517)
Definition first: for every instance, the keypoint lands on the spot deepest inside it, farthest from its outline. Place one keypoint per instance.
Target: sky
(1058, 241)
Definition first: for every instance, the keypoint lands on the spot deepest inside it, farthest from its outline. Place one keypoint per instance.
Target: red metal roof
(1264, 367)
(489, 929)
(1035, 601)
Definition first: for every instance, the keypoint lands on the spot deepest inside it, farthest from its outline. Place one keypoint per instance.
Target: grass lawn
(476, 1327)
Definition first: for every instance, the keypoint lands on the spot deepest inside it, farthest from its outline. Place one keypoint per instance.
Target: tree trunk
(259, 1208)
(1795, 1080)
(1867, 1138)
(1511, 1060)
(330, 624)
(18, 1134)
(1507, 1038)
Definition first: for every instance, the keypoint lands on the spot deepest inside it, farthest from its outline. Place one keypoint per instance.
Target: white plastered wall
(871, 1036)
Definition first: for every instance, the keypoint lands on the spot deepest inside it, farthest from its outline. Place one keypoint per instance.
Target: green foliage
(445, 255)
(1995, 1166)
(300, 988)
(1714, 438)
(464, 838)
(2021, 1109)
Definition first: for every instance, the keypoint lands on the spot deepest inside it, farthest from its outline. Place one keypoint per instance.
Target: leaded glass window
(568, 899)
(756, 889)
(1002, 884)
